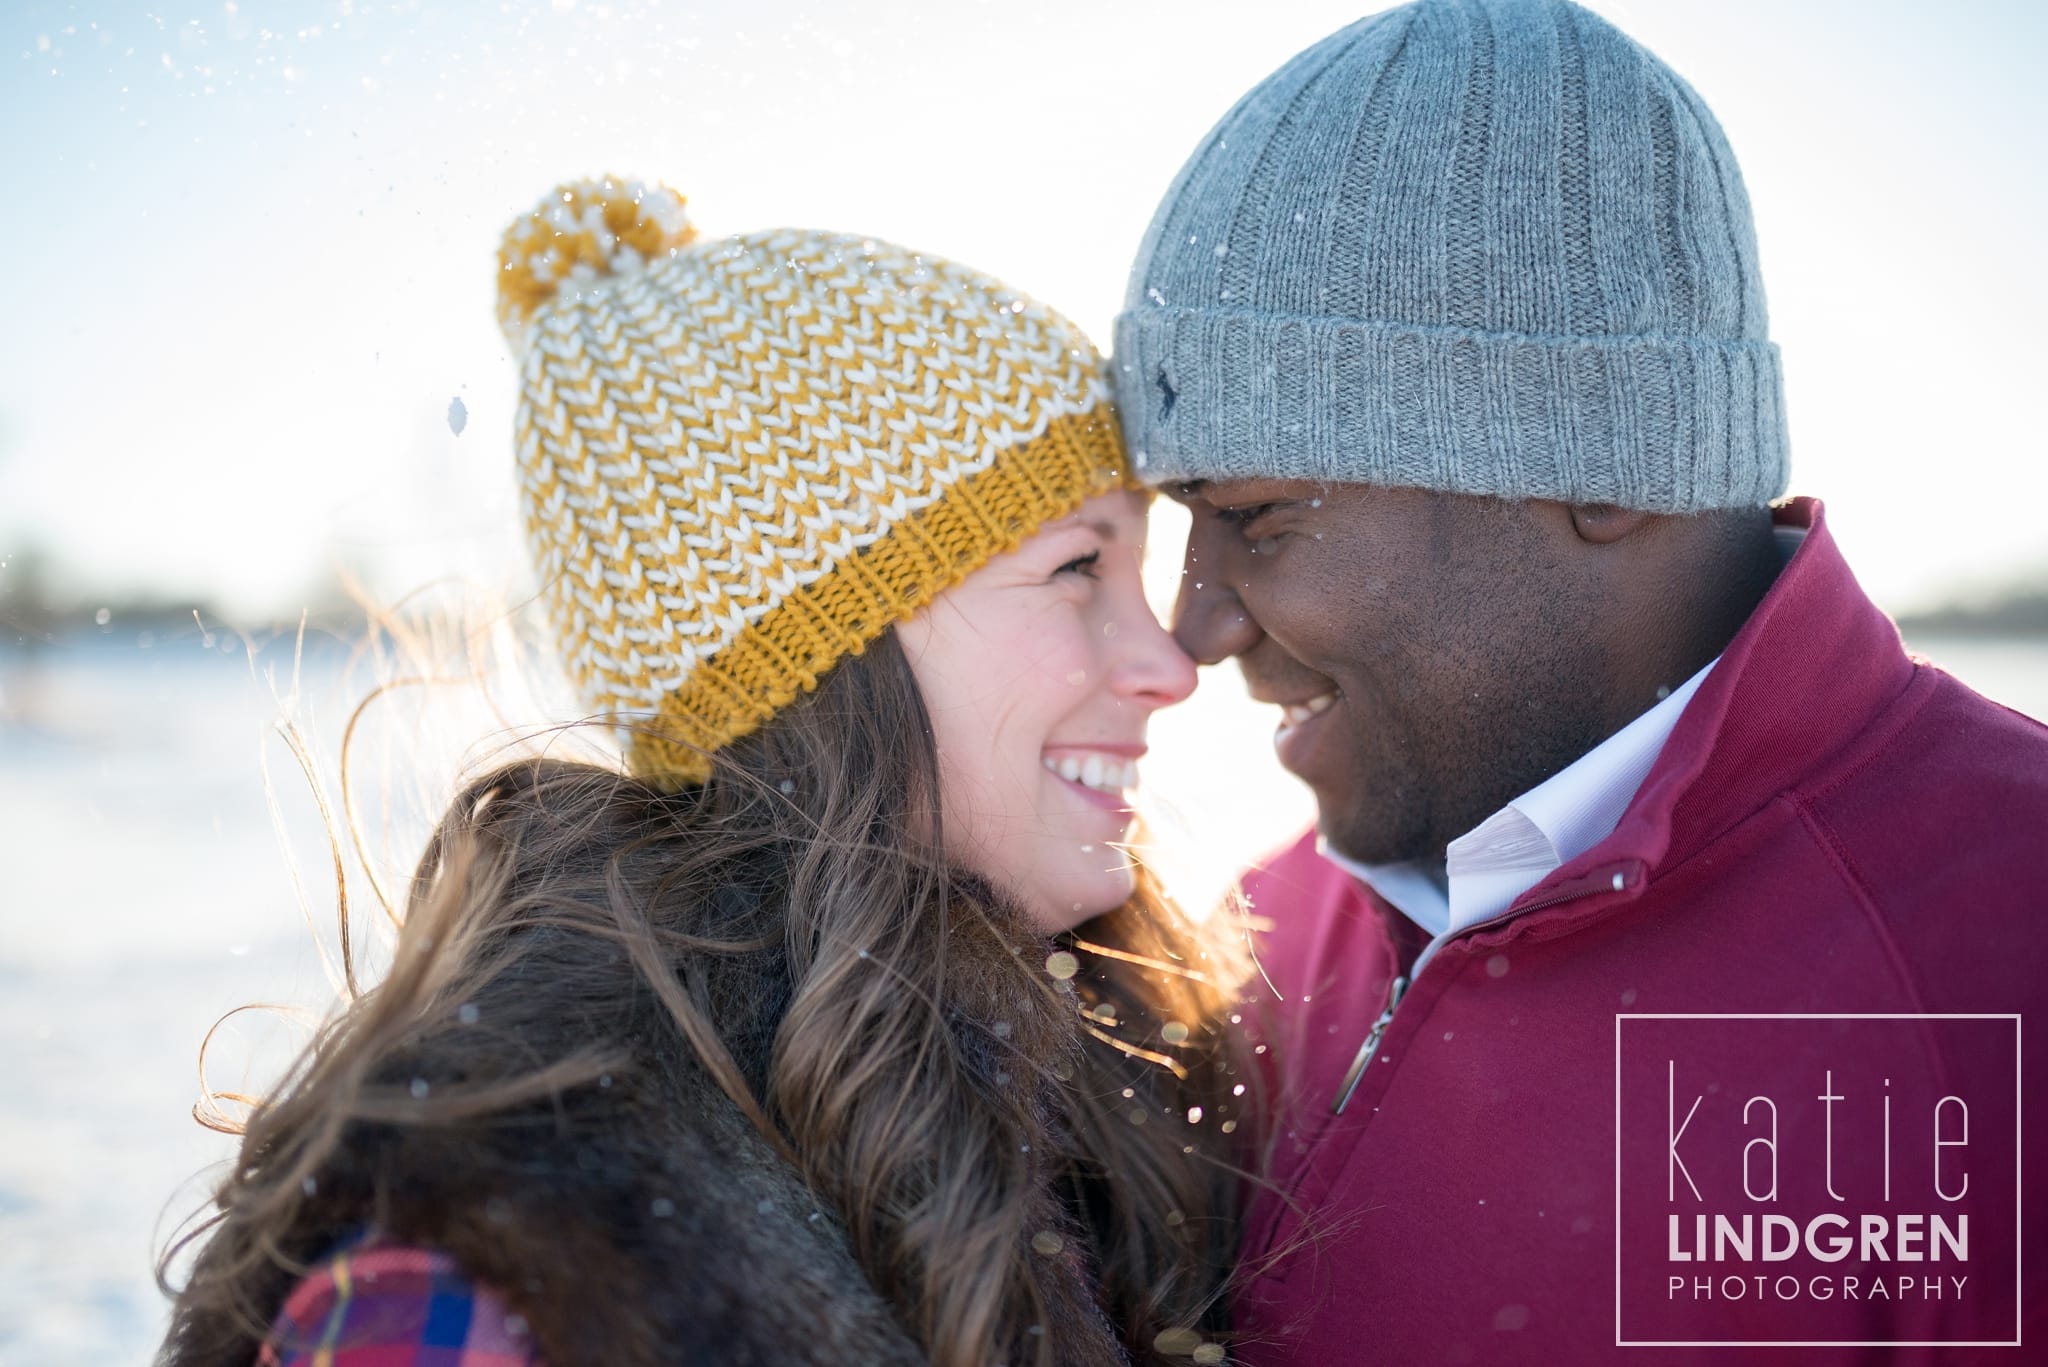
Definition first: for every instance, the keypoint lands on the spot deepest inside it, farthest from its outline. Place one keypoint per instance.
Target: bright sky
(251, 244)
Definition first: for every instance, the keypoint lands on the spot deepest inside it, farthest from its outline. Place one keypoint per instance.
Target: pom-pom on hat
(583, 232)
(742, 460)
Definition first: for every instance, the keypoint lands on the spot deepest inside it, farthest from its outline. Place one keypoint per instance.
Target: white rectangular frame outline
(2018, 1176)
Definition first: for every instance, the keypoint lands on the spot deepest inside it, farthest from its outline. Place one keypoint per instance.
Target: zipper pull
(1370, 1047)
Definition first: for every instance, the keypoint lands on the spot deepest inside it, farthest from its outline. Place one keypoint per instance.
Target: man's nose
(1209, 619)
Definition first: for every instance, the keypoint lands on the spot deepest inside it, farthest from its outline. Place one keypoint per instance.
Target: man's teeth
(1108, 773)
(1298, 712)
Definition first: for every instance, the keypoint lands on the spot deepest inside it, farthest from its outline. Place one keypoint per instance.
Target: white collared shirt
(1517, 847)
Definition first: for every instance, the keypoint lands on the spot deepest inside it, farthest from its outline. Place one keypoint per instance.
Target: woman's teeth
(1298, 712)
(1105, 773)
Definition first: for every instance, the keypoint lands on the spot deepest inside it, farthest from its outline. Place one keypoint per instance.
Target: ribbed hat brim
(786, 652)
(1637, 421)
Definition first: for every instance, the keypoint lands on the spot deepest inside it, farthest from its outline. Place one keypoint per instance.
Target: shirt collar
(1513, 850)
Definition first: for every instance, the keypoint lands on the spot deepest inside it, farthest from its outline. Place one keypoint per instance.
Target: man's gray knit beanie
(1481, 246)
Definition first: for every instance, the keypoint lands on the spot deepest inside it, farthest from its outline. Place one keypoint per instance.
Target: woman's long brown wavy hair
(927, 1062)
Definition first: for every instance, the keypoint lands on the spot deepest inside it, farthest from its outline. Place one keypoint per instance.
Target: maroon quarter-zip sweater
(1832, 829)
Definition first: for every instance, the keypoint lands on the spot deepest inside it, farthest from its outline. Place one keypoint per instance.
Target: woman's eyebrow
(1103, 528)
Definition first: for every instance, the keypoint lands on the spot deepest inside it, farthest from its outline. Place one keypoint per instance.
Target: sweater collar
(1801, 680)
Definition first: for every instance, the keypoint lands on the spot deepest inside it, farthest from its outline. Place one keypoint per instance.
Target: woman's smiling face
(1040, 671)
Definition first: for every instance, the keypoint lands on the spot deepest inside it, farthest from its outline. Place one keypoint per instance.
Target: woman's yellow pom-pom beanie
(742, 460)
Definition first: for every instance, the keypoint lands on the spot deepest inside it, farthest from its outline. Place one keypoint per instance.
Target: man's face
(1424, 648)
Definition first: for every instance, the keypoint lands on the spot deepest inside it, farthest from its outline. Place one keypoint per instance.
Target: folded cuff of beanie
(1662, 424)
(789, 649)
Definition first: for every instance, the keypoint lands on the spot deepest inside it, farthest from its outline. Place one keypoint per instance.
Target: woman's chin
(1054, 910)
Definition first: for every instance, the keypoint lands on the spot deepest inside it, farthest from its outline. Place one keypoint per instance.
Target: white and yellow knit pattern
(742, 460)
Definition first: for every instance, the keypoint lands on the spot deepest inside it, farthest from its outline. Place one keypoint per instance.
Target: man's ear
(1603, 524)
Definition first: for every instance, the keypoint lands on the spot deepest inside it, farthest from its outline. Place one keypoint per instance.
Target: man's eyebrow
(1187, 489)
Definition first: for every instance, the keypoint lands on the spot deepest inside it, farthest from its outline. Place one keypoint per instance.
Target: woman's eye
(1081, 564)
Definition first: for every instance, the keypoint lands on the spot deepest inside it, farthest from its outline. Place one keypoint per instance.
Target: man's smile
(1296, 713)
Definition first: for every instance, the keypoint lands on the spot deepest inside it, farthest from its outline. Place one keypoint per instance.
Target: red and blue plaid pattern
(380, 1305)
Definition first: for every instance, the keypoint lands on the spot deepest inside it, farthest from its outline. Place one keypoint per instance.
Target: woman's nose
(1209, 620)
(1151, 668)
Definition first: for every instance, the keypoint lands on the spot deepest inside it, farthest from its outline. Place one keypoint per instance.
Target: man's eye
(1081, 564)
(1245, 516)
